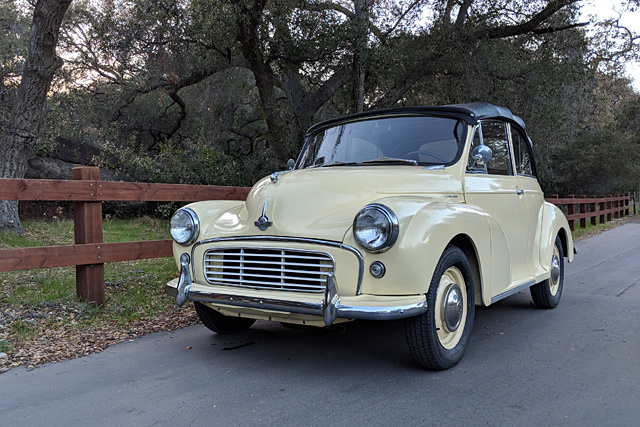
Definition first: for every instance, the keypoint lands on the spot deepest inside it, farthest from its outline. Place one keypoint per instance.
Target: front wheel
(438, 338)
(547, 293)
(219, 323)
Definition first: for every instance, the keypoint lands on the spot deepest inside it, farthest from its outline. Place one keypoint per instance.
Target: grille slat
(270, 276)
(290, 286)
(210, 262)
(266, 268)
(279, 256)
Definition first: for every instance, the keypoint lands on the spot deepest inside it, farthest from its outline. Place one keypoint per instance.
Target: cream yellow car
(418, 213)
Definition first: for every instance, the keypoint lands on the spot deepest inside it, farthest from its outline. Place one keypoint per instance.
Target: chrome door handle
(520, 192)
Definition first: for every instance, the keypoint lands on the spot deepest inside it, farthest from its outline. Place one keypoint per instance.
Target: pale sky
(604, 9)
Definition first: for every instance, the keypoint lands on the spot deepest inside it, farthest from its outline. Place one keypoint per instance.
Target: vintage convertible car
(418, 213)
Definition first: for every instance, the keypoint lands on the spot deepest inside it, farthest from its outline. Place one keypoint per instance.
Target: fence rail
(90, 253)
(595, 208)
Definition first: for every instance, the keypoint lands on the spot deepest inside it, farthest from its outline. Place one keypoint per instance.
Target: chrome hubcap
(452, 307)
(555, 269)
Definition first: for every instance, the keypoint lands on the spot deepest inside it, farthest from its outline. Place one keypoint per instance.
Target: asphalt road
(578, 364)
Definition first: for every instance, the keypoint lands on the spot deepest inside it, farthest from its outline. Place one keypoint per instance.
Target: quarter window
(522, 153)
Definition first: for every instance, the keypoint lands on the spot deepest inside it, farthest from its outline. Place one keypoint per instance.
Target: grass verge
(591, 230)
(40, 318)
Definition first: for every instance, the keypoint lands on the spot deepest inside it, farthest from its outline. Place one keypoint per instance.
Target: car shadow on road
(378, 345)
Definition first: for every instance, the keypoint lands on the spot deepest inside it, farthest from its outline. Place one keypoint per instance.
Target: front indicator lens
(185, 226)
(375, 228)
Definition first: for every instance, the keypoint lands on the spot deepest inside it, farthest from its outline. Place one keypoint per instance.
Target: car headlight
(375, 228)
(185, 226)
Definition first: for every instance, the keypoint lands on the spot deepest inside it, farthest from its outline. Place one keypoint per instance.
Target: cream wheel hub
(450, 307)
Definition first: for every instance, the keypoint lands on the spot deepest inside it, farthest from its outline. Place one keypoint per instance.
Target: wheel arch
(553, 224)
(562, 233)
(466, 245)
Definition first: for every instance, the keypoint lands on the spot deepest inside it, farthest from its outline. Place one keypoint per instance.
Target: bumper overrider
(330, 308)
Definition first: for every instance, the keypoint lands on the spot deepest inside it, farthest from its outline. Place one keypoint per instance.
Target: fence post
(609, 207)
(87, 224)
(583, 210)
(627, 203)
(592, 208)
(570, 211)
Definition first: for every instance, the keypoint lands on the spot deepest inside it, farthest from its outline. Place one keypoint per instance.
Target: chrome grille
(266, 268)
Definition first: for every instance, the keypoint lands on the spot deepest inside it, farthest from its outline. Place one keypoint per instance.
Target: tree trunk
(250, 46)
(361, 19)
(17, 143)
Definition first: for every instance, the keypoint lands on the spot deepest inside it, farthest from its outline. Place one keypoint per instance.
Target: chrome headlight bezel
(187, 220)
(385, 225)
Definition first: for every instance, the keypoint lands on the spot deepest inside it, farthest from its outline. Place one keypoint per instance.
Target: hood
(321, 203)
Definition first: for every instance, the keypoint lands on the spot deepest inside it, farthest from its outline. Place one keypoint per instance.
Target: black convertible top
(470, 113)
(484, 110)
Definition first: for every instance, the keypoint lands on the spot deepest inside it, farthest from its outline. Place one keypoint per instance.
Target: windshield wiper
(324, 165)
(391, 160)
(382, 160)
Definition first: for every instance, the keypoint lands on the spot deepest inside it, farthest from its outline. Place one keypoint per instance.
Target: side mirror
(291, 164)
(482, 155)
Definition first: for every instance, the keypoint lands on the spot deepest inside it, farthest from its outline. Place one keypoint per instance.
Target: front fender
(427, 226)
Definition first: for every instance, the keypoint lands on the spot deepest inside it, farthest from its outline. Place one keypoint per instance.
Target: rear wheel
(219, 323)
(546, 294)
(438, 338)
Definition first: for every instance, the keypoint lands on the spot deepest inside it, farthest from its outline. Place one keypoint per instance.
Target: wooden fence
(595, 208)
(90, 253)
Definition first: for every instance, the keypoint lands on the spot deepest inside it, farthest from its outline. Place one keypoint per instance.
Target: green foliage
(14, 27)
(186, 92)
(600, 162)
(57, 284)
(192, 163)
(23, 331)
(5, 346)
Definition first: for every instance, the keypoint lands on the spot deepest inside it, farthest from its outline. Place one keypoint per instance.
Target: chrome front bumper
(330, 308)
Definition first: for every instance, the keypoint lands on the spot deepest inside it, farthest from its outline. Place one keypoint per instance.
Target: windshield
(410, 140)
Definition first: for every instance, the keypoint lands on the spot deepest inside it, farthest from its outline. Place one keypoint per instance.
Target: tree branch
(463, 13)
(526, 27)
(401, 17)
(547, 30)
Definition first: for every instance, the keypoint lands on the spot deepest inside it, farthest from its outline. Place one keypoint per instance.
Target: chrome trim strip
(382, 313)
(330, 308)
(512, 291)
(259, 303)
(285, 240)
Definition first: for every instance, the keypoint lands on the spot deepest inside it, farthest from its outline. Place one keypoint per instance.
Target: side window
(522, 153)
(493, 134)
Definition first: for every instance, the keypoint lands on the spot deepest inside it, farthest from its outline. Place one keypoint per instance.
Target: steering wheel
(427, 153)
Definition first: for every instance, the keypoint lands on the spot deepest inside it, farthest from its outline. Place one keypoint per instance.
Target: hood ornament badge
(263, 222)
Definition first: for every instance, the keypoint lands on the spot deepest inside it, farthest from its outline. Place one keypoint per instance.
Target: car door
(533, 194)
(497, 190)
